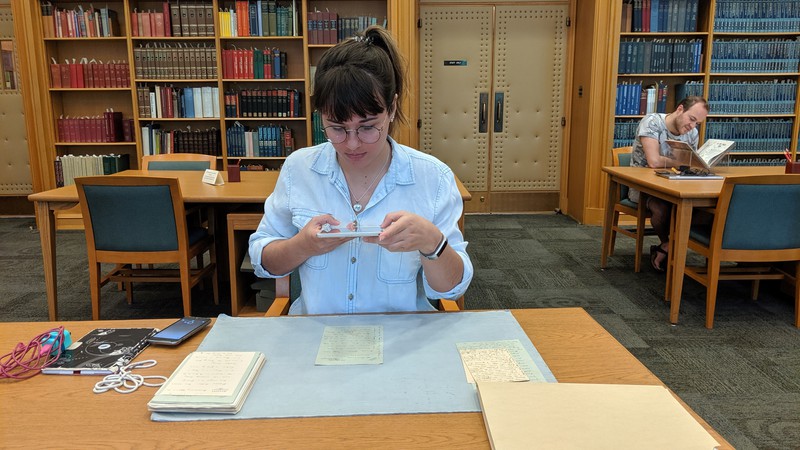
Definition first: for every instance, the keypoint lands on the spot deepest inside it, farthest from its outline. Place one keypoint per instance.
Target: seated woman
(361, 177)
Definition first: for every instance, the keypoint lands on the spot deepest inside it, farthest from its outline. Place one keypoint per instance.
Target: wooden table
(54, 411)
(253, 189)
(684, 195)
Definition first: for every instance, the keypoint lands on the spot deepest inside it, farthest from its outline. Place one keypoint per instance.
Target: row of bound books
(78, 23)
(652, 16)
(756, 55)
(259, 18)
(634, 98)
(327, 28)
(157, 141)
(660, 55)
(752, 135)
(180, 18)
(68, 167)
(181, 61)
(263, 141)
(747, 16)
(108, 127)
(250, 64)
(90, 74)
(253, 103)
(752, 97)
(175, 102)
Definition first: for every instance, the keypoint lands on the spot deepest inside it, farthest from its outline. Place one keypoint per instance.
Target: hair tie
(365, 39)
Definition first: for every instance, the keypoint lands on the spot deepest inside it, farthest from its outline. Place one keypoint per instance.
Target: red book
(107, 75)
(158, 24)
(167, 22)
(248, 64)
(73, 74)
(134, 23)
(55, 74)
(145, 20)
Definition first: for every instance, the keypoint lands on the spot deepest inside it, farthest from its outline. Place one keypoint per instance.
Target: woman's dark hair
(361, 76)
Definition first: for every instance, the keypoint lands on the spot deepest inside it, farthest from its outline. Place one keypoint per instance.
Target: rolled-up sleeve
(448, 208)
(276, 223)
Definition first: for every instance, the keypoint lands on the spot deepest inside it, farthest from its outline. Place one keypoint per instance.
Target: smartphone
(345, 233)
(179, 331)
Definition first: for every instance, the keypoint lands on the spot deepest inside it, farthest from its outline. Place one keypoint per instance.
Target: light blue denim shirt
(356, 276)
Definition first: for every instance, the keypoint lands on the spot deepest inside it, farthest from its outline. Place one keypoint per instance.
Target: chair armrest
(280, 306)
(448, 305)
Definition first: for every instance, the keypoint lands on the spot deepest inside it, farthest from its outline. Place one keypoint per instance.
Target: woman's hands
(407, 232)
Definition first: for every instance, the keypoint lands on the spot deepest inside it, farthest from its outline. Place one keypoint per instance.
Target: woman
(361, 177)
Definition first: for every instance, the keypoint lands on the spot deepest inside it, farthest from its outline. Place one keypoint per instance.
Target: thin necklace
(357, 204)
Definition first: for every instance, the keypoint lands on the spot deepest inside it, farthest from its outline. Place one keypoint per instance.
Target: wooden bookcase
(761, 127)
(49, 103)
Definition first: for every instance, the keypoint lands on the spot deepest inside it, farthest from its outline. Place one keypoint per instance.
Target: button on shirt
(357, 276)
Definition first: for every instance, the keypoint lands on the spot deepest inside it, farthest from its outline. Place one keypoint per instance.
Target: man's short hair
(692, 100)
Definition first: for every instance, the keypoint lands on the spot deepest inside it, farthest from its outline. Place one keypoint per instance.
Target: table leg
(613, 187)
(678, 251)
(46, 220)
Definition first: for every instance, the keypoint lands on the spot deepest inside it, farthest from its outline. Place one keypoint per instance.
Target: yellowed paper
(491, 364)
(350, 346)
(209, 373)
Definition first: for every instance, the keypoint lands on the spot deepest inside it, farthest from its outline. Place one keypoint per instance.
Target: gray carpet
(743, 376)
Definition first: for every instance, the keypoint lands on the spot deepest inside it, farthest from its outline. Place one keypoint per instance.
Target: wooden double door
(492, 104)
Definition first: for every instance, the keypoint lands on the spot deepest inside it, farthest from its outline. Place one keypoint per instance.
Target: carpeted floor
(743, 376)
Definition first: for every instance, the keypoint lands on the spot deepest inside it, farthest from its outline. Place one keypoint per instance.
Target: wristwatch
(439, 249)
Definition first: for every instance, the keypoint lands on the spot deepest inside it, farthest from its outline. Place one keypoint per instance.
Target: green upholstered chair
(755, 221)
(132, 221)
(179, 161)
(623, 205)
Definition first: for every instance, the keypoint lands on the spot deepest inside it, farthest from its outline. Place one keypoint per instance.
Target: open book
(209, 382)
(706, 156)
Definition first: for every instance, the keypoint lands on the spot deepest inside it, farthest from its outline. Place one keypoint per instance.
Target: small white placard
(213, 177)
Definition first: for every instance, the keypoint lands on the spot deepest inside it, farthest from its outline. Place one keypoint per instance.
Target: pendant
(357, 207)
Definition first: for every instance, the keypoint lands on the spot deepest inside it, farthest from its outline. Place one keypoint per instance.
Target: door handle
(498, 111)
(483, 112)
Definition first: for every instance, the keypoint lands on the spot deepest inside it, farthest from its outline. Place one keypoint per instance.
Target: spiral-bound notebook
(101, 351)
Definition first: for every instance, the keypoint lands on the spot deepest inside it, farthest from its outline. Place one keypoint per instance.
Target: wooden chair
(756, 220)
(288, 288)
(623, 205)
(179, 161)
(141, 220)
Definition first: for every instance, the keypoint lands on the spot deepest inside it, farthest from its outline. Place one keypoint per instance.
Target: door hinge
(419, 123)
(569, 22)
(563, 121)
(419, 23)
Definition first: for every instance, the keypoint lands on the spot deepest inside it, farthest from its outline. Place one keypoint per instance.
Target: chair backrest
(179, 161)
(622, 157)
(133, 214)
(759, 213)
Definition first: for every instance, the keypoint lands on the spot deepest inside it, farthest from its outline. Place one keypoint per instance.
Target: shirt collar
(401, 171)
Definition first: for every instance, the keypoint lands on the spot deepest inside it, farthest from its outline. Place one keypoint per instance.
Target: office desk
(54, 411)
(253, 189)
(684, 195)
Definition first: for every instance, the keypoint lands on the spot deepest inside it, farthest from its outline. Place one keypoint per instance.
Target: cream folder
(587, 416)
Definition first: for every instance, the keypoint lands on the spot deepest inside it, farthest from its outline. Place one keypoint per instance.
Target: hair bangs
(347, 91)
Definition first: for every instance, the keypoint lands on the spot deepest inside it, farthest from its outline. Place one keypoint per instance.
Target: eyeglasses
(366, 134)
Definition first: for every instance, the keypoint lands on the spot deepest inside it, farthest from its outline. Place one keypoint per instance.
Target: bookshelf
(189, 50)
(743, 56)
